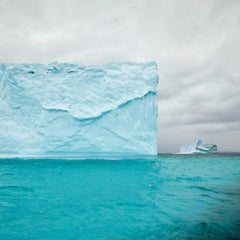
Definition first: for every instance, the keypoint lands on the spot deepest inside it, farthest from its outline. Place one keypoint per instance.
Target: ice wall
(74, 108)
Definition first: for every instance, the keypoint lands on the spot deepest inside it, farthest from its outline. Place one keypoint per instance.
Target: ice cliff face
(73, 108)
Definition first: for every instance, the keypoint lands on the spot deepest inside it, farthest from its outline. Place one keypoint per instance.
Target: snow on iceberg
(198, 147)
(74, 108)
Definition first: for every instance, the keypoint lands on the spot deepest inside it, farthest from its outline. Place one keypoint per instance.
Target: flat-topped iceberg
(78, 109)
(198, 147)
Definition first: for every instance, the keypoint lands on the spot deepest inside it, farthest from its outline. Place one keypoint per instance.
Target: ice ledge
(85, 156)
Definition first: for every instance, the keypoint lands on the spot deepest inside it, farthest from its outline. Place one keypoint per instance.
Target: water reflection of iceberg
(198, 147)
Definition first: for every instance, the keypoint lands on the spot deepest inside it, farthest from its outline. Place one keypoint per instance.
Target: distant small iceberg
(198, 147)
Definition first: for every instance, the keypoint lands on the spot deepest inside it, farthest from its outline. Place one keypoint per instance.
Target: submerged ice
(198, 147)
(73, 108)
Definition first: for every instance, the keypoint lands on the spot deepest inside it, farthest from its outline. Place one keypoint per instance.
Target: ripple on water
(172, 197)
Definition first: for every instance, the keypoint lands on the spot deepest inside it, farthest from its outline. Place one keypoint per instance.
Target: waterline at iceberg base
(169, 197)
(70, 108)
(53, 114)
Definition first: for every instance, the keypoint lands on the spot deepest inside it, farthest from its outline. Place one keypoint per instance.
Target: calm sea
(167, 197)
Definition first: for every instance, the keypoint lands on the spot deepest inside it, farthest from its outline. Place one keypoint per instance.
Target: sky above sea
(195, 44)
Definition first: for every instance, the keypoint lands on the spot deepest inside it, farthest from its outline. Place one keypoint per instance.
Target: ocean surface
(167, 197)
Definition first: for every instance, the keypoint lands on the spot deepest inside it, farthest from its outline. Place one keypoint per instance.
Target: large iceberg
(198, 147)
(78, 109)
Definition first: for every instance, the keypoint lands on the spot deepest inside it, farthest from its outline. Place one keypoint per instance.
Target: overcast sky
(196, 44)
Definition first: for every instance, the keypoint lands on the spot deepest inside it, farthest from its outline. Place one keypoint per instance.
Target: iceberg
(198, 147)
(78, 109)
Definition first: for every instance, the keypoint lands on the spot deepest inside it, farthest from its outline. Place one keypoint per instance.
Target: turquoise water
(169, 197)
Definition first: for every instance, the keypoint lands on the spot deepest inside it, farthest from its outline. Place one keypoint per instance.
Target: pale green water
(170, 197)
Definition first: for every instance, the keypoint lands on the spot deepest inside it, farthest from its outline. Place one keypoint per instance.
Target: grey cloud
(195, 44)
